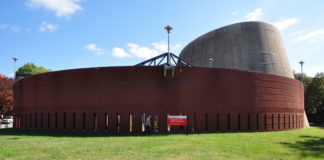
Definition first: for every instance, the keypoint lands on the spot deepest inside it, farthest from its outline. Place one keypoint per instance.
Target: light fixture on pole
(15, 59)
(210, 60)
(301, 67)
(168, 28)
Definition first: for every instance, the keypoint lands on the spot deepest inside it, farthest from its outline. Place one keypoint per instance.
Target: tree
(31, 69)
(314, 95)
(303, 78)
(6, 95)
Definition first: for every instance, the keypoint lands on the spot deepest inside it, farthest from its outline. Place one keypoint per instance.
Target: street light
(301, 67)
(168, 28)
(210, 60)
(15, 59)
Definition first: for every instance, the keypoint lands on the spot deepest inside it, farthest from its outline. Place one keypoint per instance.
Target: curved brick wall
(215, 100)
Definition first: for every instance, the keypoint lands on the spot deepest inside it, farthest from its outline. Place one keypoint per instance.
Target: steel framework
(162, 60)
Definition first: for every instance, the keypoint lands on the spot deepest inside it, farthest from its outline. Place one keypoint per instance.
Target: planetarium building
(233, 79)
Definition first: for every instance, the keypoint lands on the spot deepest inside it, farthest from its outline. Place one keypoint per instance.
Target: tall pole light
(168, 28)
(301, 68)
(15, 59)
(210, 60)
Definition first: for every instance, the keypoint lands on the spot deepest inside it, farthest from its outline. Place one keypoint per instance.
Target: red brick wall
(243, 101)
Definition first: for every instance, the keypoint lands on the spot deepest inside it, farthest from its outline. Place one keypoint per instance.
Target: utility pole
(15, 59)
(301, 68)
(168, 28)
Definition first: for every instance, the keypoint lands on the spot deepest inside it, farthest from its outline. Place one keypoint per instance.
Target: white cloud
(120, 53)
(161, 46)
(62, 8)
(135, 50)
(255, 15)
(311, 36)
(285, 23)
(48, 26)
(142, 52)
(93, 47)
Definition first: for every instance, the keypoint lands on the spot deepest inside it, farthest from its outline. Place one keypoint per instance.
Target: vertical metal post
(301, 68)
(168, 47)
(169, 42)
(168, 28)
(15, 59)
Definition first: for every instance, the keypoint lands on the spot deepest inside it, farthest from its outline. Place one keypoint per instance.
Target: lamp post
(210, 60)
(301, 67)
(168, 28)
(15, 59)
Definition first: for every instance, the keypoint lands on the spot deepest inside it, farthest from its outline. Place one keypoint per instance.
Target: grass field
(295, 144)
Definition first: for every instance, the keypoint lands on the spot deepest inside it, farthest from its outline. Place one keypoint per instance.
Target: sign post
(178, 120)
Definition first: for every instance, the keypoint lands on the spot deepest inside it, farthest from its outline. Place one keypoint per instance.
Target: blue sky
(67, 34)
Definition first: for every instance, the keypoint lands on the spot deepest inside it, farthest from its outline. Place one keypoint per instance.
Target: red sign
(174, 120)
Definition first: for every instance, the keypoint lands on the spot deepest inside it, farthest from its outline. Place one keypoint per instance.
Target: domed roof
(251, 46)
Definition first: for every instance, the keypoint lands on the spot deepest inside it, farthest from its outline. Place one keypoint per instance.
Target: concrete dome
(252, 46)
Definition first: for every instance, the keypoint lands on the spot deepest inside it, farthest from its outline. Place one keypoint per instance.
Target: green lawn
(296, 144)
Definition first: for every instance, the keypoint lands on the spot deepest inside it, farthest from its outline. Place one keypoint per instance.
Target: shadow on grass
(22, 132)
(308, 146)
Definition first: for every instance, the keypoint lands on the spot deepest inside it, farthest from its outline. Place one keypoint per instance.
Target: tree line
(314, 96)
